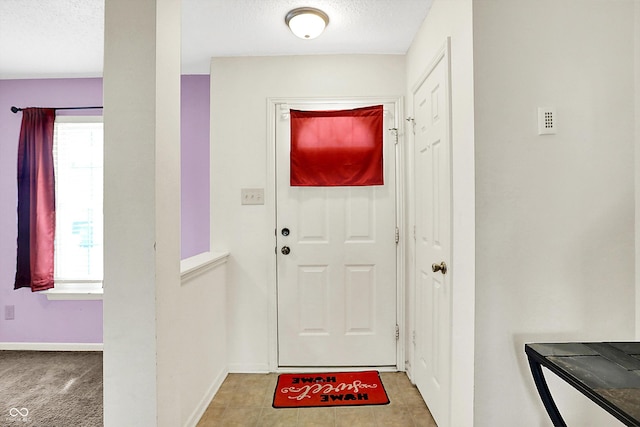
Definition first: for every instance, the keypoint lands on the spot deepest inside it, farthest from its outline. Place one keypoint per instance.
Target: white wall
(239, 91)
(452, 18)
(142, 213)
(555, 213)
(637, 163)
(203, 361)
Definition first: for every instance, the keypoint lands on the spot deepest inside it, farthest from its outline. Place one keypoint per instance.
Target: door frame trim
(273, 105)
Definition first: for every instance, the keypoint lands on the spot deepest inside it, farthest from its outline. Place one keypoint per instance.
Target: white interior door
(337, 281)
(433, 241)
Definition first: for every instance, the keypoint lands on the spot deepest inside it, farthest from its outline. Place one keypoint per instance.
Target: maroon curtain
(36, 200)
(334, 148)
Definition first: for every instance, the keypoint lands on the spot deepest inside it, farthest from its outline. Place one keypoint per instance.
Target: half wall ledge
(189, 268)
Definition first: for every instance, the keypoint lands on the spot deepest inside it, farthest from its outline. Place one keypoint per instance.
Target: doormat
(332, 389)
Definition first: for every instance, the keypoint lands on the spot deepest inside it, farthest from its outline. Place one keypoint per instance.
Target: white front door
(433, 241)
(336, 262)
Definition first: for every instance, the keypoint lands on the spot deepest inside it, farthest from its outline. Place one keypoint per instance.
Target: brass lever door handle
(442, 267)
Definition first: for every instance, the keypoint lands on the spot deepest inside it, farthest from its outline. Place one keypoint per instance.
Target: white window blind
(78, 159)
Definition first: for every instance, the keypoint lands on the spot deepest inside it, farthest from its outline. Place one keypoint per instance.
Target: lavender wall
(36, 318)
(194, 159)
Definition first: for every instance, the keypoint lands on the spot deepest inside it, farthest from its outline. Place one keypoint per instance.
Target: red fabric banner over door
(337, 148)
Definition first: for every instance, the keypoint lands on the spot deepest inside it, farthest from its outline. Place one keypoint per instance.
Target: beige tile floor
(245, 400)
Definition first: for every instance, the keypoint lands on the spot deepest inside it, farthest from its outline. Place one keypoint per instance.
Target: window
(78, 160)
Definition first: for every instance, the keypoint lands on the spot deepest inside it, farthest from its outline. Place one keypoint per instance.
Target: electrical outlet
(9, 312)
(252, 196)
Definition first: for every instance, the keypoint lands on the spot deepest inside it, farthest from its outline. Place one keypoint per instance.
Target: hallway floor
(245, 400)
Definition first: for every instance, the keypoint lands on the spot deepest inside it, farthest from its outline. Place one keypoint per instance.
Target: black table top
(607, 373)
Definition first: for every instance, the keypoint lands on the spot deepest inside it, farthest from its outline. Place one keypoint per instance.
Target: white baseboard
(249, 368)
(51, 346)
(316, 369)
(206, 399)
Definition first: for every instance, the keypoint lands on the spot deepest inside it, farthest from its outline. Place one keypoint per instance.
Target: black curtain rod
(16, 109)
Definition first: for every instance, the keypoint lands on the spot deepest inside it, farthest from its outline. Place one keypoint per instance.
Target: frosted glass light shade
(306, 22)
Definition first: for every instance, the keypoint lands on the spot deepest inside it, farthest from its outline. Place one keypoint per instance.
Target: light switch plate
(252, 196)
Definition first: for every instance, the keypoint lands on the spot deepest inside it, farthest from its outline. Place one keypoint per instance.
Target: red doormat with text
(333, 389)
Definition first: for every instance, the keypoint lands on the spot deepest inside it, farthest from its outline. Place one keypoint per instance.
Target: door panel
(313, 214)
(360, 220)
(313, 299)
(433, 242)
(337, 285)
(360, 296)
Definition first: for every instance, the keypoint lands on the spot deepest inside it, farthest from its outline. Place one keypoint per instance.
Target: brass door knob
(285, 250)
(442, 267)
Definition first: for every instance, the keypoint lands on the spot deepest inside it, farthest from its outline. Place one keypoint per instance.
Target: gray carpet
(50, 389)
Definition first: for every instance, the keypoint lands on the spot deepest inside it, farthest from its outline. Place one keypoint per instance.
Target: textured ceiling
(64, 38)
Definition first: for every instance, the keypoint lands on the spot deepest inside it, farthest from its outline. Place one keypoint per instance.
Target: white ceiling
(64, 38)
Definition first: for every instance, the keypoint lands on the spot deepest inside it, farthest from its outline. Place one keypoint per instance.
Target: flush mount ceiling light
(306, 22)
